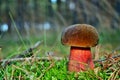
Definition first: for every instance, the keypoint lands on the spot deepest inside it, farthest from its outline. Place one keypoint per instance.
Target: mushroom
(81, 37)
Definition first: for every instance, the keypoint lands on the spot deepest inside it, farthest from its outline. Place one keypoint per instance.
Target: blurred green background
(24, 22)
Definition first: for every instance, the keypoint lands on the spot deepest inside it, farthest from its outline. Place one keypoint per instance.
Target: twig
(100, 60)
(29, 51)
(44, 58)
(30, 58)
(22, 56)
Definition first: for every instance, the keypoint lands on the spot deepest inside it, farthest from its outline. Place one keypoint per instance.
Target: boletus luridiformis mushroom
(81, 37)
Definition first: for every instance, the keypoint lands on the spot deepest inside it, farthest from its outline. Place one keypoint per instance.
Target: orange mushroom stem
(80, 59)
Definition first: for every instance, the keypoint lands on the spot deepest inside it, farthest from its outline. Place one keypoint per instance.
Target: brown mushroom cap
(80, 35)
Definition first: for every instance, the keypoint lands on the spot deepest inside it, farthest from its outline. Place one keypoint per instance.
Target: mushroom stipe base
(80, 59)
